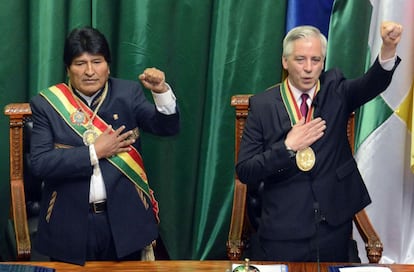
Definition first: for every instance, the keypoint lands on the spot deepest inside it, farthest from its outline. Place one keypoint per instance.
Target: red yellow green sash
(129, 163)
(291, 105)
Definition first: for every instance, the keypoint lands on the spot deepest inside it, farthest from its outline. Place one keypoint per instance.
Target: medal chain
(90, 119)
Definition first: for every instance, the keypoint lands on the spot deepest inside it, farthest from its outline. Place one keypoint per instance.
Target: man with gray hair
(295, 143)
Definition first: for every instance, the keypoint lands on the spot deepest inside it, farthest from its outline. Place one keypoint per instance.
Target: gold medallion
(89, 137)
(305, 159)
(78, 118)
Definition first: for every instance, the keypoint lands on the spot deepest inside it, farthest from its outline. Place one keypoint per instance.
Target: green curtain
(209, 50)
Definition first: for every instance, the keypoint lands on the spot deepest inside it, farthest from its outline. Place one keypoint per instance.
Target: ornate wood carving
(17, 113)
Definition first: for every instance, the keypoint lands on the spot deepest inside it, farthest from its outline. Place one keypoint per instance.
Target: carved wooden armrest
(235, 243)
(373, 244)
(16, 113)
(21, 228)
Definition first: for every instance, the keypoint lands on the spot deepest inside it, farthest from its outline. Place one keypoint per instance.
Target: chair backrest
(246, 204)
(18, 114)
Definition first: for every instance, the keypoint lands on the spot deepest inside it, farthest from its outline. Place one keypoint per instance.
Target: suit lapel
(281, 110)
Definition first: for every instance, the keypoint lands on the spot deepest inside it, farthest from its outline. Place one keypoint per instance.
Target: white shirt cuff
(387, 64)
(165, 102)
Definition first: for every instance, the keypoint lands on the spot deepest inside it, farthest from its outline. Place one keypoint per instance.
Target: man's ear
(284, 63)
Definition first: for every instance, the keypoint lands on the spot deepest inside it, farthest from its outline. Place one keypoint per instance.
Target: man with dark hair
(295, 142)
(85, 145)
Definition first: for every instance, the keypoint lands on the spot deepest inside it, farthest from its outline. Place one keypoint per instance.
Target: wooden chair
(241, 227)
(24, 207)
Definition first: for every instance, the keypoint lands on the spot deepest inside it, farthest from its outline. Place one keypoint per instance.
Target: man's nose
(89, 69)
(307, 66)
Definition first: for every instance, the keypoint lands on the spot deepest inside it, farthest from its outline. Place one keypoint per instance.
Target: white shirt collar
(88, 99)
(297, 93)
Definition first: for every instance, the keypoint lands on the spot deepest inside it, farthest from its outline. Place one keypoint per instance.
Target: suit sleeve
(151, 120)
(372, 83)
(260, 158)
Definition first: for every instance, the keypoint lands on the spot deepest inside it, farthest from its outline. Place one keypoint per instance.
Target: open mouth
(307, 80)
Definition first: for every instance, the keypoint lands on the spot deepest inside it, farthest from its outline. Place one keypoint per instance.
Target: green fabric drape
(245, 57)
(349, 16)
(209, 51)
(354, 17)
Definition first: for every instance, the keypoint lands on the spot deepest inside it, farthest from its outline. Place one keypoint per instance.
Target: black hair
(85, 40)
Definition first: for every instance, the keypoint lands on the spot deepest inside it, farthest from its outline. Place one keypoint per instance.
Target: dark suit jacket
(67, 172)
(334, 182)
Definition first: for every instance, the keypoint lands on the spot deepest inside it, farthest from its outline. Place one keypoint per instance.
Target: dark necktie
(304, 105)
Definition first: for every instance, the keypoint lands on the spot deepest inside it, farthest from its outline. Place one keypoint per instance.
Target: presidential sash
(63, 100)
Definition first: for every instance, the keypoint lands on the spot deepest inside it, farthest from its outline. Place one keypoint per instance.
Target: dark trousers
(101, 245)
(329, 244)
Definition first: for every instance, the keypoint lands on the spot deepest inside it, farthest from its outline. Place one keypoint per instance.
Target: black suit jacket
(289, 195)
(67, 172)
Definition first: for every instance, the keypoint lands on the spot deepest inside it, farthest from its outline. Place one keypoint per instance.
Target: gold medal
(78, 117)
(89, 136)
(305, 159)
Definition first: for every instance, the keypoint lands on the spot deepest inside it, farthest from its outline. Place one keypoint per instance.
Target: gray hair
(302, 32)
